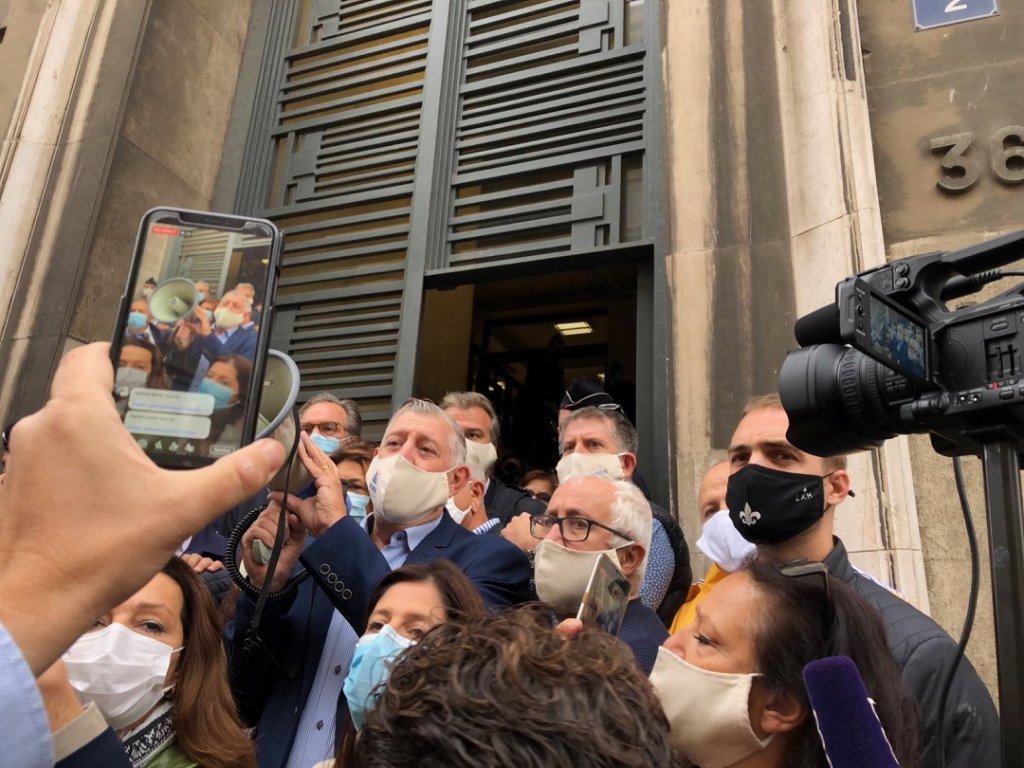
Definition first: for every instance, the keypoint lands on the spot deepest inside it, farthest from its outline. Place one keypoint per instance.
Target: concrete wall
(169, 147)
(773, 202)
(128, 108)
(964, 78)
(20, 21)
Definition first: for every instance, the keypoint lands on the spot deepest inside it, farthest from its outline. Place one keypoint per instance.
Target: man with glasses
(784, 500)
(601, 440)
(330, 422)
(589, 515)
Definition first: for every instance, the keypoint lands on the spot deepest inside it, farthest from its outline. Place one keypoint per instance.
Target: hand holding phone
(607, 596)
(188, 389)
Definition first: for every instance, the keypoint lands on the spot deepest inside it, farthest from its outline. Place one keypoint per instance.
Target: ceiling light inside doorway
(578, 328)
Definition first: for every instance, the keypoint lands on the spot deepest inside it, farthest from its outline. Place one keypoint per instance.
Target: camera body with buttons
(890, 357)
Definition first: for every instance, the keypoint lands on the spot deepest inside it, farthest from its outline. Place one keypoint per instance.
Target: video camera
(889, 358)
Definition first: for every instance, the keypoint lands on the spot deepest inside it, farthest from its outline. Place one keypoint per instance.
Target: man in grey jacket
(784, 500)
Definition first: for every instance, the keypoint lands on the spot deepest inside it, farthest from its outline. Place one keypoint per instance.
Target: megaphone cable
(262, 594)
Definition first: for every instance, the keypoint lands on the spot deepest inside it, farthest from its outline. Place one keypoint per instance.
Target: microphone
(818, 327)
(850, 730)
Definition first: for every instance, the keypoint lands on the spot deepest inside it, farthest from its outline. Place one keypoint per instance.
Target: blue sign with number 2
(936, 13)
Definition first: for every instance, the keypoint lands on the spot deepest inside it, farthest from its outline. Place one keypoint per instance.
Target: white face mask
(226, 319)
(128, 379)
(708, 715)
(723, 543)
(600, 464)
(457, 514)
(481, 456)
(561, 574)
(402, 492)
(121, 671)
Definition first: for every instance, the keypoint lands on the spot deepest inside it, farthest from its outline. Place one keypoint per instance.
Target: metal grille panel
(412, 138)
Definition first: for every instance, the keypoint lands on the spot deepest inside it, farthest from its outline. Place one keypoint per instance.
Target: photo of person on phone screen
(140, 364)
(140, 323)
(227, 380)
(231, 332)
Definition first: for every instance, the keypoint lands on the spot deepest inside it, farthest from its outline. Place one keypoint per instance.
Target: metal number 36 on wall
(963, 166)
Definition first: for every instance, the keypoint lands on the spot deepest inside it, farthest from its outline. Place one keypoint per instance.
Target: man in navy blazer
(290, 692)
(231, 333)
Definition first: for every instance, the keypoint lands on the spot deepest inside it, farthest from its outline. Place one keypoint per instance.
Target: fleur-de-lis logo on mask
(749, 516)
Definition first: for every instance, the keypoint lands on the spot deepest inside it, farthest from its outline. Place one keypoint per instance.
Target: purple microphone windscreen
(850, 730)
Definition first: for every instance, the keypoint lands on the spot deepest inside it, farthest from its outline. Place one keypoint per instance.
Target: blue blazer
(271, 693)
(241, 342)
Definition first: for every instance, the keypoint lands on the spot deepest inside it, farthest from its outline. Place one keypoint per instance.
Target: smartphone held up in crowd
(604, 603)
(192, 333)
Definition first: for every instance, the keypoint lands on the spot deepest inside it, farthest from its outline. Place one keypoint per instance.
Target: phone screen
(604, 603)
(192, 334)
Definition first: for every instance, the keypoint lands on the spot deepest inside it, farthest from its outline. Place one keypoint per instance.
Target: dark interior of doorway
(523, 355)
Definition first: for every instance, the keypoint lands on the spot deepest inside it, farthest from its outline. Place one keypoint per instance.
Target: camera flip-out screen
(895, 339)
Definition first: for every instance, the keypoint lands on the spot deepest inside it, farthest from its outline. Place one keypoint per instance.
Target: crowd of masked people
(210, 350)
(422, 613)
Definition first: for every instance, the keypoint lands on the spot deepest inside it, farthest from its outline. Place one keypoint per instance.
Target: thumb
(212, 490)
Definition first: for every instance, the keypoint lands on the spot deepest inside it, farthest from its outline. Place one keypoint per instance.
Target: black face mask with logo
(769, 506)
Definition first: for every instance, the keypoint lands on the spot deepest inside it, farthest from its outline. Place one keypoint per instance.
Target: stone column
(774, 202)
(53, 163)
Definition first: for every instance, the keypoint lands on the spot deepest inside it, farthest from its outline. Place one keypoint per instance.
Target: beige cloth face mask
(605, 465)
(402, 492)
(708, 712)
(561, 574)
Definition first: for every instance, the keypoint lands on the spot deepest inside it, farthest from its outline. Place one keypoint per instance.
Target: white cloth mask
(128, 379)
(226, 319)
(481, 456)
(120, 670)
(562, 574)
(723, 543)
(402, 492)
(600, 464)
(457, 514)
(708, 714)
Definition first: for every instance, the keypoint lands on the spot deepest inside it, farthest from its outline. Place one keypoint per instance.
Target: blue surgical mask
(136, 320)
(358, 502)
(326, 444)
(200, 297)
(370, 667)
(221, 394)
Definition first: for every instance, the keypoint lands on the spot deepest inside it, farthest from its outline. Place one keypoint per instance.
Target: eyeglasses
(571, 528)
(327, 428)
(540, 496)
(807, 568)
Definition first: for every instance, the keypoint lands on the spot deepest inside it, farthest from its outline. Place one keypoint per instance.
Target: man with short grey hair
(480, 425)
(603, 441)
(421, 462)
(589, 513)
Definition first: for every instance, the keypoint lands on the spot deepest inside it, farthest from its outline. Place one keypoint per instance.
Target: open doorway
(522, 340)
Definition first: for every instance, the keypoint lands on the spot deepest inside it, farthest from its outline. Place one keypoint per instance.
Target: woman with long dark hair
(154, 670)
(404, 606)
(732, 683)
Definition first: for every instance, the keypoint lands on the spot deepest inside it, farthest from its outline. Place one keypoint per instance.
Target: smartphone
(192, 333)
(604, 603)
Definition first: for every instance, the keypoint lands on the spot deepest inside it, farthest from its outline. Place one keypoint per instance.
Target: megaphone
(277, 398)
(173, 300)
